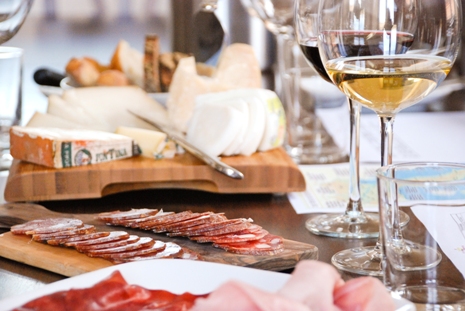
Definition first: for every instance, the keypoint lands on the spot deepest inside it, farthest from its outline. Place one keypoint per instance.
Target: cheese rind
(59, 148)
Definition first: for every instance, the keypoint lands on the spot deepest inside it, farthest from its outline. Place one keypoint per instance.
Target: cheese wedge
(40, 119)
(59, 148)
(150, 142)
(106, 108)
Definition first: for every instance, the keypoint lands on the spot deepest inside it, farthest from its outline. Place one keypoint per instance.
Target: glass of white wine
(387, 55)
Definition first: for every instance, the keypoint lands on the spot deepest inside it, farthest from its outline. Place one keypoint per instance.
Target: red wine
(313, 57)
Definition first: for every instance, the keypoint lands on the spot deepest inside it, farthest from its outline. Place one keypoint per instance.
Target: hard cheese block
(59, 148)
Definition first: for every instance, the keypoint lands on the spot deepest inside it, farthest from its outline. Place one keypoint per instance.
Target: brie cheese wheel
(243, 108)
(275, 123)
(150, 142)
(255, 127)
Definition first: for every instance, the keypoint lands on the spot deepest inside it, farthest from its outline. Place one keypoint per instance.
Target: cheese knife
(209, 160)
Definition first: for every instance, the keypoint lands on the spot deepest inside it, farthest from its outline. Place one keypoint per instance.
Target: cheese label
(74, 154)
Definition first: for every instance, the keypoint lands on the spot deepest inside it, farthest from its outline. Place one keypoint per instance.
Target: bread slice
(151, 64)
(130, 61)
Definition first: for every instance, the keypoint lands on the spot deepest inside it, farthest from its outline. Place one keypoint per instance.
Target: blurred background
(55, 31)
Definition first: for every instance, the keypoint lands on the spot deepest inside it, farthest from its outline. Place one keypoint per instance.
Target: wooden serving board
(69, 262)
(264, 172)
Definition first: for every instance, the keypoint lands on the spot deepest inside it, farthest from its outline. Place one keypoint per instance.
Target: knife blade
(209, 160)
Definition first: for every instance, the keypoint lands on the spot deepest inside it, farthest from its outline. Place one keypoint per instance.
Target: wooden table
(273, 212)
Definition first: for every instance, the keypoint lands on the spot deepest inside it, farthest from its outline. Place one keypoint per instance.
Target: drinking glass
(387, 55)
(434, 195)
(354, 222)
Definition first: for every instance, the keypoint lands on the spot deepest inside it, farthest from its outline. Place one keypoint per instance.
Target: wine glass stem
(387, 136)
(355, 203)
(284, 60)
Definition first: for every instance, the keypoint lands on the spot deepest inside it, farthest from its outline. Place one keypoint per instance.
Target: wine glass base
(361, 226)
(316, 154)
(359, 260)
(367, 260)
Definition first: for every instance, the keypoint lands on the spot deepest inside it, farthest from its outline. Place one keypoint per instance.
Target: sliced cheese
(61, 148)
(40, 119)
(275, 124)
(110, 105)
(243, 108)
(74, 113)
(150, 142)
(255, 127)
(213, 127)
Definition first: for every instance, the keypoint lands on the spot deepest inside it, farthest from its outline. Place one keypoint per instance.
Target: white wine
(388, 84)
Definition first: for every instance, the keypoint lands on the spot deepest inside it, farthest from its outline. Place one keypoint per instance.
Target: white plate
(174, 275)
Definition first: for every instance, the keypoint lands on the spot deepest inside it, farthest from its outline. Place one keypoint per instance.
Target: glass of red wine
(388, 55)
(354, 222)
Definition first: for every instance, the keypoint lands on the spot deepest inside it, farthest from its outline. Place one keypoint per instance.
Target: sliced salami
(113, 236)
(201, 229)
(158, 246)
(135, 222)
(268, 245)
(130, 240)
(228, 229)
(164, 226)
(85, 229)
(149, 225)
(47, 225)
(116, 216)
(240, 236)
(60, 240)
(172, 250)
(143, 242)
(200, 219)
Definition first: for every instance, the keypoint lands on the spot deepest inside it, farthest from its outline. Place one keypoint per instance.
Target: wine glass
(12, 16)
(387, 55)
(354, 222)
(277, 16)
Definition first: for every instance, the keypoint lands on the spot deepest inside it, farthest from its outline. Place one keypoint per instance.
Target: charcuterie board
(264, 172)
(69, 262)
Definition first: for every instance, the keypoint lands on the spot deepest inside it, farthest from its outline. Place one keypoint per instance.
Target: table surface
(273, 212)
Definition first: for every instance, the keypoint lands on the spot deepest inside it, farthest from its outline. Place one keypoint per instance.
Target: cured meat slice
(205, 218)
(158, 246)
(182, 225)
(149, 225)
(85, 229)
(113, 236)
(189, 254)
(268, 245)
(60, 240)
(172, 250)
(110, 217)
(135, 222)
(200, 229)
(143, 242)
(228, 229)
(47, 225)
(249, 234)
(130, 240)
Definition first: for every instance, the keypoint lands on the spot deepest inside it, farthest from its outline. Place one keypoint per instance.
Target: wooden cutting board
(69, 262)
(264, 172)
